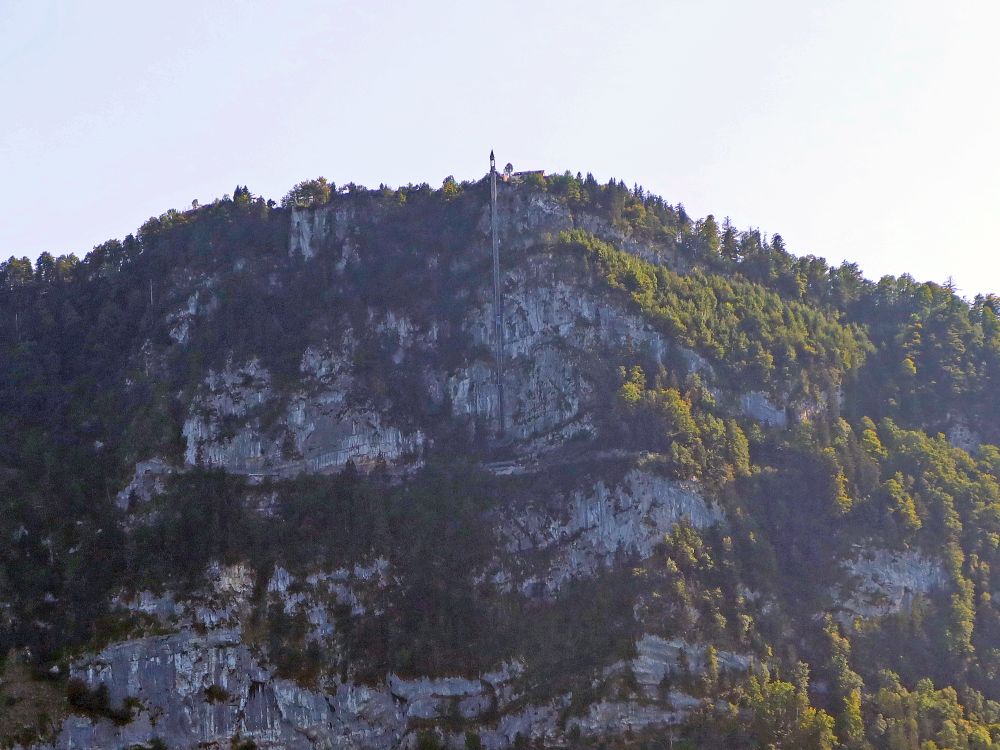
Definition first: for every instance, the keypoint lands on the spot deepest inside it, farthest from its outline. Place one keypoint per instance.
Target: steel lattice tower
(497, 298)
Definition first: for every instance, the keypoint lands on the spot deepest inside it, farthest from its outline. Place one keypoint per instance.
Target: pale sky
(859, 129)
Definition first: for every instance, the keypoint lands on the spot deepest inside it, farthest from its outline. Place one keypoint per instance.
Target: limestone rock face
(757, 406)
(207, 689)
(311, 228)
(229, 395)
(658, 657)
(886, 581)
(658, 664)
(206, 685)
(194, 690)
(554, 327)
(147, 482)
(317, 428)
(590, 527)
(201, 303)
(960, 435)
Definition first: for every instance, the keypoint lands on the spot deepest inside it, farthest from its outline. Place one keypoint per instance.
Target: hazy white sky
(858, 129)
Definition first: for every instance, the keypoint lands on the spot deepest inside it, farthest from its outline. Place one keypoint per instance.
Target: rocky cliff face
(885, 581)
(205, 683)
(198, 690)
(316, 429)
(203, 680)
(556, 326)
(553, 327)
(584, 532)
